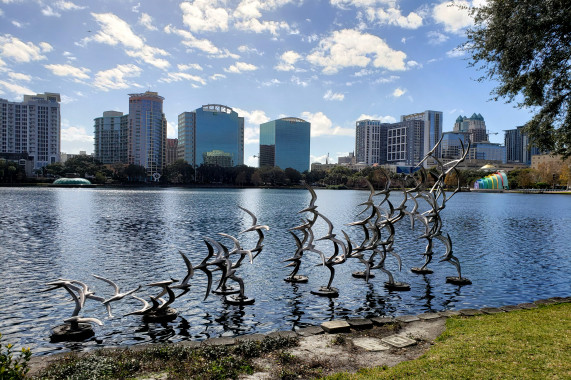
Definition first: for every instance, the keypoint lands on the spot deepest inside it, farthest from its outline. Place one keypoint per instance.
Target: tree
(526, 46)
(292, 175)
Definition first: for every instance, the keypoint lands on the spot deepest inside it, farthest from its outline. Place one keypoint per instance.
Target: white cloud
(389, 79)
(16, 50)
(184, 67)
(76, 134)
(202, 15)
(321, 159)
(413, 64)
(67, 5)
(116, 31)
(454, 16)
(330, 95)
(50, 12)
(298, 81)
(248, 13)
(272, 82)
(457, 52)
(247, 49)
(19, 76)
(351, 48)
(321, 125)
(383, 119)
(147, 21)
(288, 60)
(172, 130)
(436, 38)
(14, 22)
(217, 76)
(176, 77)
(192, 42)
(240, 67)
(16, 89)
(149, 54)
(393, 16)
(116, 78)
(68, 71)
(253, 119)
(398, 92)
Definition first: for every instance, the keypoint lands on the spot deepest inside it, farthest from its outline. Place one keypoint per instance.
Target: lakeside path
(340, 345)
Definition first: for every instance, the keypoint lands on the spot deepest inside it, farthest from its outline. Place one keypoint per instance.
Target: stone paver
(283, 334)
(336, 326)
(449, 313)
(360, 323)
(544, 302)
(510, 308)
(380, 321)
(399, 341)
(527, 305)
(310, 331)
(371, 344)
(428, 316)
(219, 341)
(491, 310)
(470, 312)
(250, 338)
(407, 318)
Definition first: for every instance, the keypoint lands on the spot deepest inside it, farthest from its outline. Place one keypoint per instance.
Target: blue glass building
(285, 143)
(147, 132)
(110, 142)
(211, 131)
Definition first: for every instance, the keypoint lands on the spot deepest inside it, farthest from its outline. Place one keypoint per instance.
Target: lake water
(514, 247)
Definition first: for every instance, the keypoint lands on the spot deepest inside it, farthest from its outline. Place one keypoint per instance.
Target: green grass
(174, 361)
(526, 344)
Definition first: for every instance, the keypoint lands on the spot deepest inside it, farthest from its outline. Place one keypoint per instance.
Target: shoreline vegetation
(181, 173)
(530, 343)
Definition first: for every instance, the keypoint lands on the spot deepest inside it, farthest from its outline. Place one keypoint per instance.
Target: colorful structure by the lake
(496, 181)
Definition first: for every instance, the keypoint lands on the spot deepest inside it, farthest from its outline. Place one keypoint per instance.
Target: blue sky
(331, 62)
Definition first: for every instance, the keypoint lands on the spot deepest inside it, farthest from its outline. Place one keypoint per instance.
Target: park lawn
(523, 344)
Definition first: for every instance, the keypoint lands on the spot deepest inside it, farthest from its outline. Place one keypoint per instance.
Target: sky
(330, 62)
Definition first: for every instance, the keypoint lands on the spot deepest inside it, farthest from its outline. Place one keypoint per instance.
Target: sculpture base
(66, 332)
(400, 286)
(237, 300)
(458, 280)
(227, 290)
(297, 278)
(161, 316)
(418, 270)
(362, 274)
(326, 292)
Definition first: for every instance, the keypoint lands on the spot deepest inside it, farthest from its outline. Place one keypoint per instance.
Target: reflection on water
(513, 247)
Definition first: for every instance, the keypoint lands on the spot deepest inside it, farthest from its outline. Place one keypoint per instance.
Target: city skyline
(330, 63)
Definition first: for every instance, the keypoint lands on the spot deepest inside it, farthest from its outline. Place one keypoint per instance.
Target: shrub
(11, 368)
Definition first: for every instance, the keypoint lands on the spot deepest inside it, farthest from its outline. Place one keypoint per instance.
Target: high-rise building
(110, 143)
(432, 131)
(211, 131)
(285, 143)
(518, 148)
(371, 142)
(147, 132)
(451, 148)
(172, 151)
(488, 151)
(32, 127)
(474, 125)
(349, 159)
(405, 142)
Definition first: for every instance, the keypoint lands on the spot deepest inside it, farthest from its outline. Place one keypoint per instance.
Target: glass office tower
(147, 132)
(432, 132)
(211, 134)
(285, 143)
